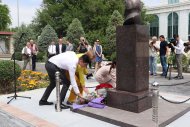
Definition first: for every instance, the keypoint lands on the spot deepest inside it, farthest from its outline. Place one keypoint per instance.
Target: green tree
(115, 20)
(146, 18)
(93, 15)
(27, 35)
(48, 34)
(5, 20)
(75, 31)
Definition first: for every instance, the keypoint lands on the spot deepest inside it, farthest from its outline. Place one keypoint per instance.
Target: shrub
(41, 57)
(74, 32)
(18, 56)
(47, 36)
(7, 75)
(113, 56)
(185, 63)
(115, 20)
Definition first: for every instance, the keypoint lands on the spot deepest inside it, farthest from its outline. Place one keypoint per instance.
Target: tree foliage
(27, 35)
(48, 34)
(5, 20)
(75, 31)
(146, 18)
(115, 20)
(93, 14)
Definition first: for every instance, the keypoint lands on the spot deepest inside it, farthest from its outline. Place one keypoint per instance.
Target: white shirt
(60, 48)
(52, 49)
(89, 48)
(152, 50)
(27, 51)
(180, 47)
(68, 61)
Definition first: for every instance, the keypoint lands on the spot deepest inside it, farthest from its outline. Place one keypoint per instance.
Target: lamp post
(18, 12)
(172, 20)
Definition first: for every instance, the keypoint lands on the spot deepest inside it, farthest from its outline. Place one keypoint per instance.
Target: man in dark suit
(60, 47)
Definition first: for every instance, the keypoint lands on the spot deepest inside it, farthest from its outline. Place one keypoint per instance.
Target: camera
(172, 41)
(187, 47)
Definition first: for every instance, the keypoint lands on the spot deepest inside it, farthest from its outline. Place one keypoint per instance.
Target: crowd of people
(164, 50)
(29, 53)
(72, 65)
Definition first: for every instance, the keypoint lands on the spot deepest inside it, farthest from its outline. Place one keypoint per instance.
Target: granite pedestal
(132, 69)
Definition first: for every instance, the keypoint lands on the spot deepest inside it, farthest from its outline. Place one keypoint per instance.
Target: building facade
(171, 17)
(6, 44)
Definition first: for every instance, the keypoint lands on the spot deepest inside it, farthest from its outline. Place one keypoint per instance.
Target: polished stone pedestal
(134, 102)
(132, 49)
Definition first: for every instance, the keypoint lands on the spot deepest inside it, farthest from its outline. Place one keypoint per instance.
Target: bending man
(63, 62)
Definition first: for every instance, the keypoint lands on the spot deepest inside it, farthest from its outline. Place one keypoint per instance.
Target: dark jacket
(63, 48)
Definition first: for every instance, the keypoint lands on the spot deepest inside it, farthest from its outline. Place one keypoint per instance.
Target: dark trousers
(51, 70)
(33, 62)
(164, 64)
(49, 56)
(90, 65)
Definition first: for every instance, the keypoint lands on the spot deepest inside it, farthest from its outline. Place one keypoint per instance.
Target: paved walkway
(42, 114)
(29, 111)
(45, 116)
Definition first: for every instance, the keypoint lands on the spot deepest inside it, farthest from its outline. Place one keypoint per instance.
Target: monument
(132, 88)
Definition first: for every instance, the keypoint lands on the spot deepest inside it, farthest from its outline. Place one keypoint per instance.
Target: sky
(27, 9)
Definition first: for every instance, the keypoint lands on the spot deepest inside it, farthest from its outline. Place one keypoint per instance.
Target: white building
(170, 13)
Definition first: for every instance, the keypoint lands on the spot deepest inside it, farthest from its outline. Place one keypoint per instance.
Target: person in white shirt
(179, 54)
(63, 62)
(51, 49)
(153, 49)
(26, 55)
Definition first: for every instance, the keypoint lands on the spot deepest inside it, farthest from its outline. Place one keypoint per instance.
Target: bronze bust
(132, 12)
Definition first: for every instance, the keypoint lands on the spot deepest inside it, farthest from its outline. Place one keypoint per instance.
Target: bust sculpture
(132, 12)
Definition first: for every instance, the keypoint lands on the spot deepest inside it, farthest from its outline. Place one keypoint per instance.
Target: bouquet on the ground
(89, 97)
(102, 89)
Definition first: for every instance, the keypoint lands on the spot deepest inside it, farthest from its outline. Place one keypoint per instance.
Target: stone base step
(5, 55)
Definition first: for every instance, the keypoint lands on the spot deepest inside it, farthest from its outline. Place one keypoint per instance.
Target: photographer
(82, 47)
(187, 45)
(179, 54)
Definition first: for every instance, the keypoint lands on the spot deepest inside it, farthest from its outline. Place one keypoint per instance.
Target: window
(172, 24)
(154, 27)
(173, 1)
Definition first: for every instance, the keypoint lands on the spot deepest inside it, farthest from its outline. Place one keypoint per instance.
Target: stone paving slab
(16, 114)
(7, 120)
(167, 114)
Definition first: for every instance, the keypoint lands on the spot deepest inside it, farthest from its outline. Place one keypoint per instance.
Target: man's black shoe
(178, 78)
(69, 103)
(42, 102)
(162, 74)
(63, 106)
